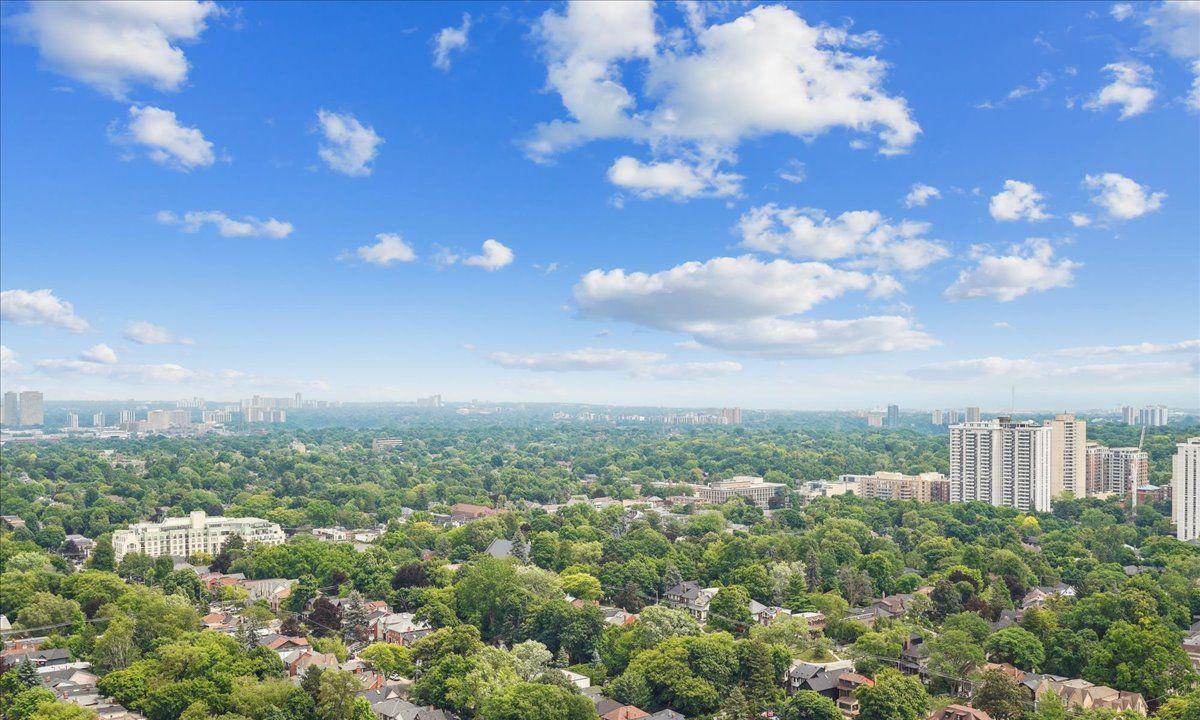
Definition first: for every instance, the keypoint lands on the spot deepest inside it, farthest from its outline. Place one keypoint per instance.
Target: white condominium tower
(1068, 440)
(195, 533)
(1001, 462)
(1185, 495)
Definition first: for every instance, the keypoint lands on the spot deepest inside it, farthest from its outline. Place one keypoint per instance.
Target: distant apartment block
(160, 420)
(1115, 470)
(11, 412)
(733, 416)
(935, 417)
(195, 533)
(893, 416)
(30, 410)
(752, 488)
(1150, 416)
(875, 419)
(383, 444)
(433, 401)
(972, 414)
(925, 487)
(1128, 415)
(1002, 463)
(1185, 489)
(72, 421)
(98, 420)
(1068, 439)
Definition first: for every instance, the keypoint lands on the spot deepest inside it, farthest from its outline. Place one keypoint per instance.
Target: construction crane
(1133, 490)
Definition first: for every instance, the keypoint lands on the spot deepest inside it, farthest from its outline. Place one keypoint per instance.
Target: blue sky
(792, 206)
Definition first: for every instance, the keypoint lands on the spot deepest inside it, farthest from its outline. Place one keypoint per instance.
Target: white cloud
(585, 359)
(1121, 197)
(675, 179)
(766, 72)
(494, 256)
(1175, 27)
(692, 370)
(744, 305)
(100, 353)
(1193, 98)
(1121, 11)
(165, 140)
(1079, 219)
(1018, 201)
(636, 363)
(996, 368)
(1031, 267)
(1130, 89)
(8, 361)
(1002, 325)
(920, 194)
(389, 249)
(794, 171)
(146, 333)
(39, 307)
(782, 337)
(225, 225)
(149, 374)
(449, 40)
(1143, 348)
(349, 145)
(868, 237)
(112, 45)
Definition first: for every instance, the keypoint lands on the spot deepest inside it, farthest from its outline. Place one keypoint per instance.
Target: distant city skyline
(890, 216)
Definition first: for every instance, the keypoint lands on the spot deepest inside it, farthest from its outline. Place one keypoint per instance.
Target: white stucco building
(192, 534)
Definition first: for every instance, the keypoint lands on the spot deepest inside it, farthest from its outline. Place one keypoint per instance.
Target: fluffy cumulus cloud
(1123, 198)
(794, 171)
(1018, 201)
(39, 307)
(164, 139)
(745, 305)
(1131, 89)
(1029, 267)
(1121, 11)
(864, 237)
(636, 363)
(147, 333)
(448, 41)
(707, 87)
(389, 248)
(1174, 27)
(225, 225)
(349, 147)
(676, 179)
(920, 194)
(492, 256)
(1079, 219)
(113, 45)
(99, 353)
(8, 361)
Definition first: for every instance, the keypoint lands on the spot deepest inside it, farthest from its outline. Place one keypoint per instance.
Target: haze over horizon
(590, 203)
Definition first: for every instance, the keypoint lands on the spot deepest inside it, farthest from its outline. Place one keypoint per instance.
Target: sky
(794, 206)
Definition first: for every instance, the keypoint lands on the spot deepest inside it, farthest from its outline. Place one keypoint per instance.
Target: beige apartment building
(1115, 470)
(1068, 464)
(184, 536)
(926, 487)
(752, 488)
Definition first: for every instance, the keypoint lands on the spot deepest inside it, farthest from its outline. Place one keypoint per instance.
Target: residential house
(1038, 596)
(500, 548)
(399, 628)
(847, 683)
(465, 512)
(820, 678)
(690, 597)
(765, 614)
(1082, 695)
(273, 590)
(959, 712)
